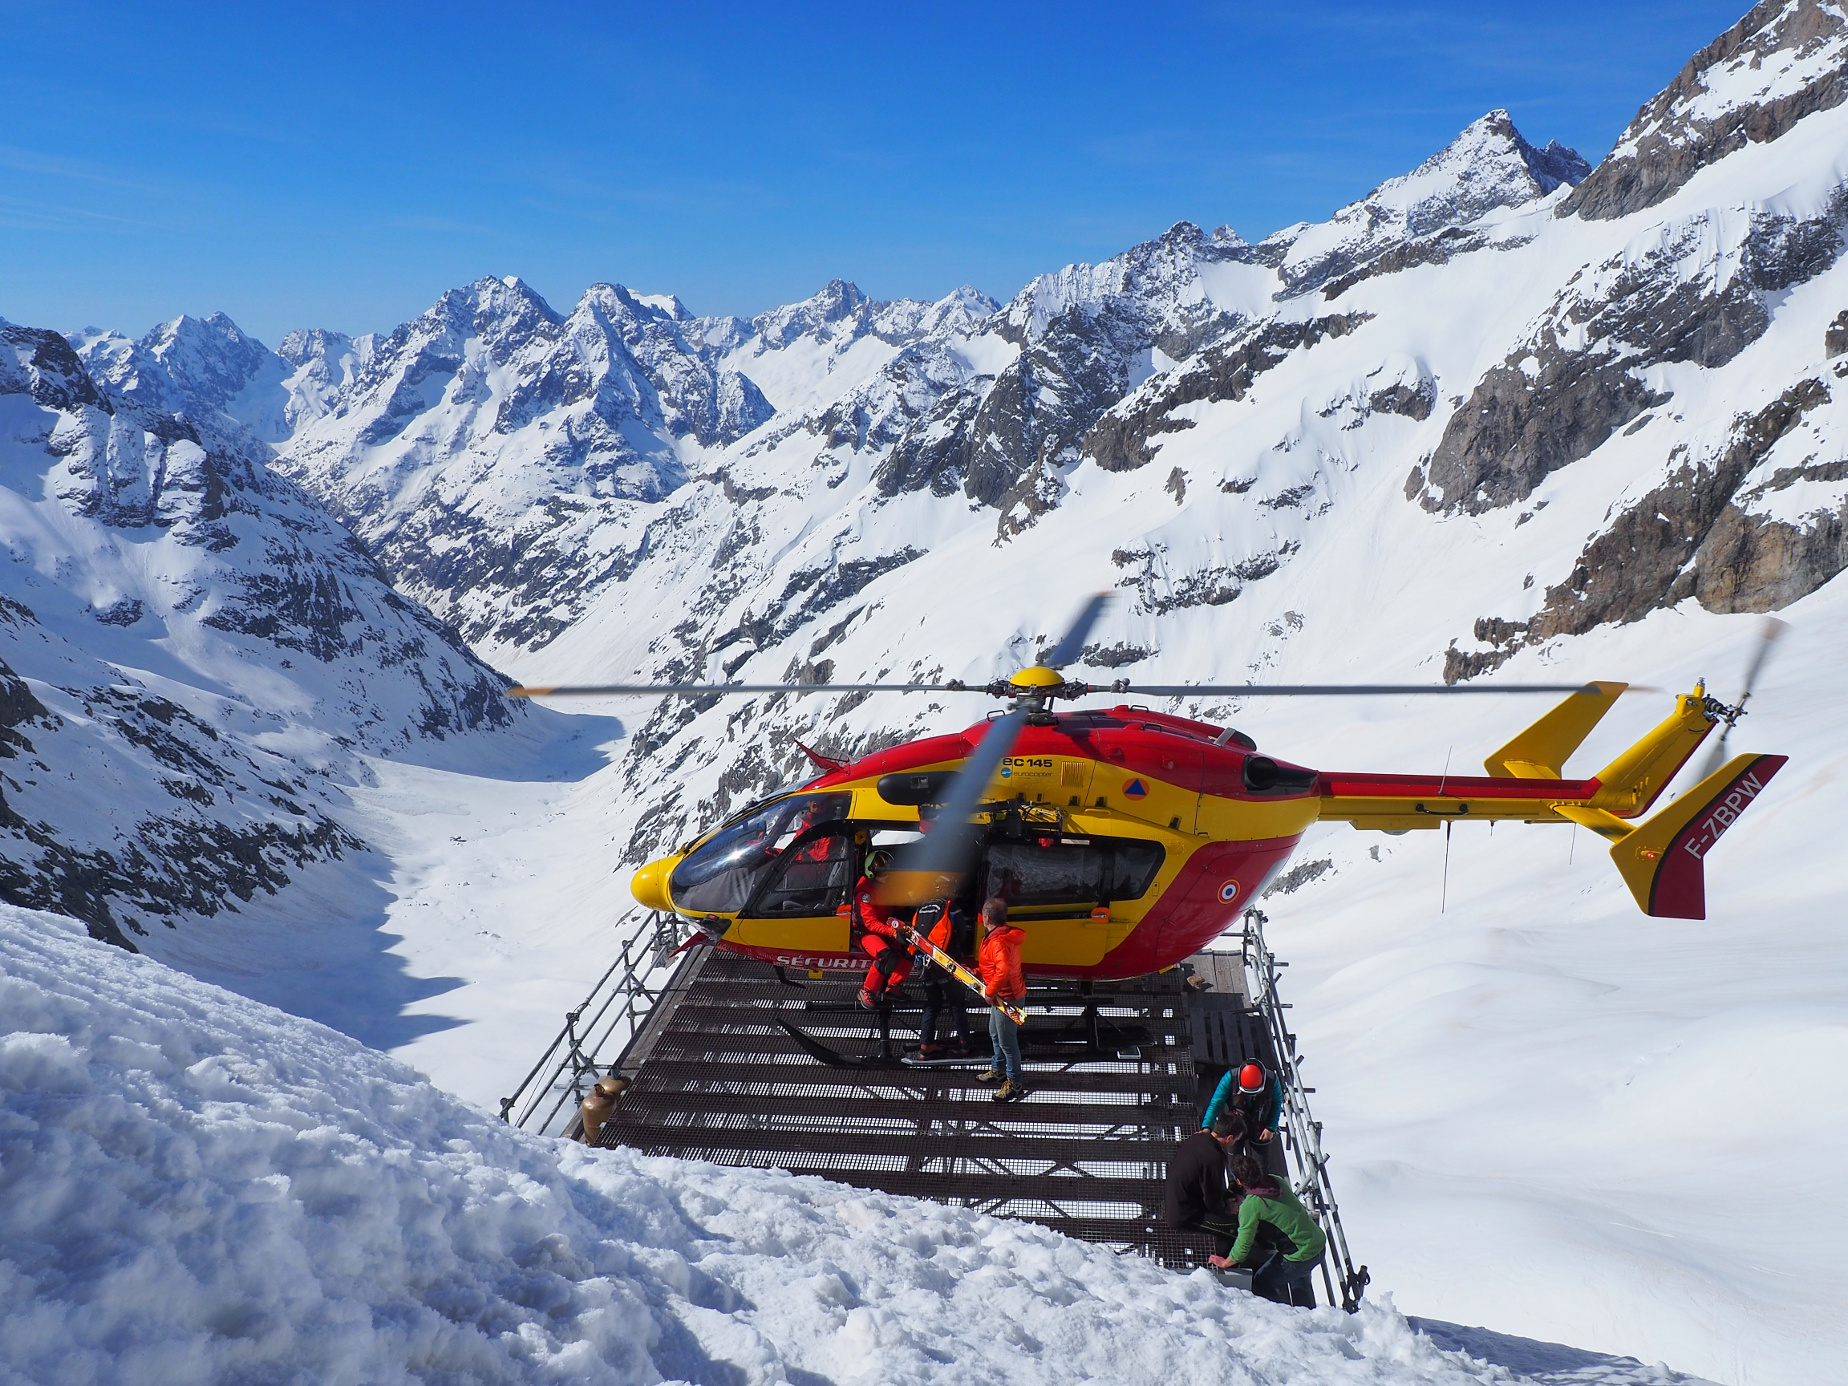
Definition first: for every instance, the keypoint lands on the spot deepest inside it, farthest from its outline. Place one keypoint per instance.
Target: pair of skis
(957, 970)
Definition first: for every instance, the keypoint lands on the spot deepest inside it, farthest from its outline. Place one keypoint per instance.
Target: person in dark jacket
(1257, 1095)
(1285, 1276)
(949, 925)
(1198, 1197)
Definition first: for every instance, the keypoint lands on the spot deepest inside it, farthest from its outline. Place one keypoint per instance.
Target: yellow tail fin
(1540, 752)
(1661, 860)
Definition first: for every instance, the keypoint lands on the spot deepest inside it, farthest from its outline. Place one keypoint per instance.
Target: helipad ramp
(718, 1077)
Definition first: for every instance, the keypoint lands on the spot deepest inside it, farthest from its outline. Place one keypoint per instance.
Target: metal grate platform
(716, 1076)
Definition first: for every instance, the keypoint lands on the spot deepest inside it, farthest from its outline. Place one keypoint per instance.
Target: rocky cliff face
(192, 654)
(1785, 60)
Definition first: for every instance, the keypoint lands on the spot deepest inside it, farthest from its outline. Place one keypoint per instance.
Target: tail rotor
(1769, 633)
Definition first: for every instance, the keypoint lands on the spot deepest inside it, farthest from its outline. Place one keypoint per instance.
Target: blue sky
(340, 165)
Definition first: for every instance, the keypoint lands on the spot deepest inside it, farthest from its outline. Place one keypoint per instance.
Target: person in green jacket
(1268, 1202)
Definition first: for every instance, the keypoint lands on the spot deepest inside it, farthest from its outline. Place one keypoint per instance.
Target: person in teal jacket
(1283, 1276)
(1257, 1096)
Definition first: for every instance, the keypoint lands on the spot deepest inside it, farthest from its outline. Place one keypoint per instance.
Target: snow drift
(197, 1188)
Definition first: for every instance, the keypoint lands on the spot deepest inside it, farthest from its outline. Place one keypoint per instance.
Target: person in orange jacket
(999, 969)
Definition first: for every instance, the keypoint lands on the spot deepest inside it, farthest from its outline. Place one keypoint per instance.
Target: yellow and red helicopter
(1126, 840)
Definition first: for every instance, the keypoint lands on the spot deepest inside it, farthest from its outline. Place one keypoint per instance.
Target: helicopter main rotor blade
(933, 867)
(1071, 644)
(698, 689)
(1339, 690)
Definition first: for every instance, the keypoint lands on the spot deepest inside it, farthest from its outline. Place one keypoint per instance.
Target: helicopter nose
(649, 885)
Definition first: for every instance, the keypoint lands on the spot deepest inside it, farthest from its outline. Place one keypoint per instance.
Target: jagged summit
(1489, 167)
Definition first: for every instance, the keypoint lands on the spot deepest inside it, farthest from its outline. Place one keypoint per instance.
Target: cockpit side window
(812, 877)
(720, 875)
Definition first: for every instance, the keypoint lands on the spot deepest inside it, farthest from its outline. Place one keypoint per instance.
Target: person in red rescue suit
(1003, 980)
(891, 962)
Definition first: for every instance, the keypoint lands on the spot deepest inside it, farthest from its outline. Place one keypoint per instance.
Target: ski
(959, 1061)
(957, 970)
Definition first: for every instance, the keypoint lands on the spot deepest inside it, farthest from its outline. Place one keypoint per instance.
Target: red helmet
(1251, 1077)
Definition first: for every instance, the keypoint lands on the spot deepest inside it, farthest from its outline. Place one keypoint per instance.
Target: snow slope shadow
(550, 748)
(1553, 1364)
(322, 950)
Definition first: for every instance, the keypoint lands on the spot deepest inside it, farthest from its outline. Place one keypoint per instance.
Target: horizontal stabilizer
(1540, 752)
(1662, 859)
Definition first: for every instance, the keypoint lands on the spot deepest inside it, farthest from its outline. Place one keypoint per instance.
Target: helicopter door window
(1055, 871)
(812, 878)
(722, 873)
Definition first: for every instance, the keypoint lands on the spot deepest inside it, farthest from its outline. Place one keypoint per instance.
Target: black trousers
(1221, 1227)
(943, 1000)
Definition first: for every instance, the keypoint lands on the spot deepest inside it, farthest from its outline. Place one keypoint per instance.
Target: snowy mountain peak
(210, 359)
(303, 345)
(1487, 168)
(1785, 60)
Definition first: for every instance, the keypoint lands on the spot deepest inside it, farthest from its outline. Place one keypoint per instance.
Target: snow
(200, 1188)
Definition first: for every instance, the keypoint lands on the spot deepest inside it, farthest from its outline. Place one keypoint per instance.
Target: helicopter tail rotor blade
(933, 867)
(1071, 644)
(1769, 633)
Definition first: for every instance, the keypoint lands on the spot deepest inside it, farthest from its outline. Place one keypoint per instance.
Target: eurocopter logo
(1135, 789)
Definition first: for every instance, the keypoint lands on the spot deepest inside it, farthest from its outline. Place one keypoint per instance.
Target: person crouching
(1002, 981)
(1197, 1194)
(1284, 1277)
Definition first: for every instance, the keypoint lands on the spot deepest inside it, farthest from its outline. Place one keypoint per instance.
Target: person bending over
(1283, 1276)
(1257, 1096)
(1198, 1199)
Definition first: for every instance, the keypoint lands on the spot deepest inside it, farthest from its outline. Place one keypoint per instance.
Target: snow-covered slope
(201, 1189)
(194, 656)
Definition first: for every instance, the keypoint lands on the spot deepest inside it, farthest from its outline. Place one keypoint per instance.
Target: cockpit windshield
(719, 876)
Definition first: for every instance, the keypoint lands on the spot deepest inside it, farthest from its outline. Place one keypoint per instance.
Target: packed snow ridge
(199, 1188)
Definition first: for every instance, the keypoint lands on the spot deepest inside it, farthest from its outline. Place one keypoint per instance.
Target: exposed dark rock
(1113, 656)
(1835, 336)
(42, 364)
(1408, 401)
(1299, 876)
(1751, 562)
(1666, 144)
(1160, 591)
(1547, 405)
(1687, 537)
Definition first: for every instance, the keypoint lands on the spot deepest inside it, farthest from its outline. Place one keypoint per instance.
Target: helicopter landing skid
(833, 1058)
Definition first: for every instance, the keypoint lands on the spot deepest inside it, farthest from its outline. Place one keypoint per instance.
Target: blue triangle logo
(1136, 789)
